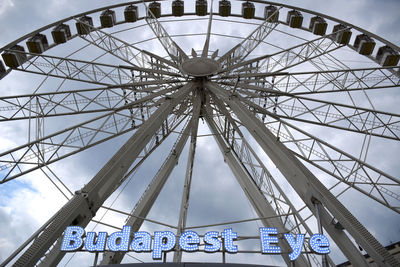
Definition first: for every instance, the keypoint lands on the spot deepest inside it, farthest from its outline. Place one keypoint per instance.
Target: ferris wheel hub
(200, 66)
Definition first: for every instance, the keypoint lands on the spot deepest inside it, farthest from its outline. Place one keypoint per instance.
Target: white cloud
(5, 5)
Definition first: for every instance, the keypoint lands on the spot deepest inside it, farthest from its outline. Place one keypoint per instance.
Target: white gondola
(224, 8)
(271, 13)
(294, 19)
(107, 18)
(13, 58)
(387, 56)
(37, 43)
(318, 25)
(61, 33)
(82, 26)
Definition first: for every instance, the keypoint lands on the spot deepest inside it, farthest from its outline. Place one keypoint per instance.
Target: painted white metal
(148, 198)
(306, 184)
(175, 52)
(256, 198)
(27, 155)
(197, 103)
(239, 52)
(83, 206)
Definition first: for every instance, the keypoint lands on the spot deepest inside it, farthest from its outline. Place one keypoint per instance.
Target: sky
(28, 202)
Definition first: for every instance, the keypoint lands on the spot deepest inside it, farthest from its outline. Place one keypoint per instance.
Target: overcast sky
(28, 202)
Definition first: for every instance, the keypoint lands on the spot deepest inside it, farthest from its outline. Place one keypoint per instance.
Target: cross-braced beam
(314, 82)
(238, 53)
(123, 50)
(197, 100)
(83, 206)
(348, 169)
(275, 195)
(74, 102)
(51, 148)
(174, 51)
(323, 112)
(250, 188)
(288, 58)
(150, 195)
(307, 186)
(86, 71)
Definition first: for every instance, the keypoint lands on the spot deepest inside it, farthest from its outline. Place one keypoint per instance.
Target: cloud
(5, 5)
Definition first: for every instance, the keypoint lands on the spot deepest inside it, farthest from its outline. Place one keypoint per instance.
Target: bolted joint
(90, 201)
(315, 201)
(337, 224)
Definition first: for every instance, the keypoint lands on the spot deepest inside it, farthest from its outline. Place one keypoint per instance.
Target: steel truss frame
(309, 188)
(248, 96)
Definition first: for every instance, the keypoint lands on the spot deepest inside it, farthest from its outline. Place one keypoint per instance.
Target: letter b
(72, 239)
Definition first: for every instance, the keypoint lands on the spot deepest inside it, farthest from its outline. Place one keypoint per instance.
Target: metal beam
(323, 112)
(123, 50)
(305, 183)
(237, 54)
(174, 51)
(275, 195)
(51, 148)
(75, 102)
(86, 71)
(206, 46)
(262, 207)
(288, 58)
(315, 82)
(83, 206)
(348, 169)
(197, 100)
(150, 195)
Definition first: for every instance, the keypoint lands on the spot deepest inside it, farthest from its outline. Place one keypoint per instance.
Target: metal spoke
(208, 35)
(348, 169)
(85, 71)
(325, 113)
(31, 156)
(61, 103)
(197, 104)
(144, 204)
(102, 184)
(174, 51)
(275, 196)
(308, 187)
(123, 50)
(237, 54)
(314, 82)
(290, 57)
(268, 101)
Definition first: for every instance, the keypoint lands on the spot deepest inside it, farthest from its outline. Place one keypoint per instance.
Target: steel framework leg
(197, 103)
(308, 186)
(144, 205)
(83, 206)
(253, 193)
(277, 196)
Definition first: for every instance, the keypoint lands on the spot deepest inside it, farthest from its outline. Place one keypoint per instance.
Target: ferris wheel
(293, 99)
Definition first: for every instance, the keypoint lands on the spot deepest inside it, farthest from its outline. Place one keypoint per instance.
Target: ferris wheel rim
(97, 10)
